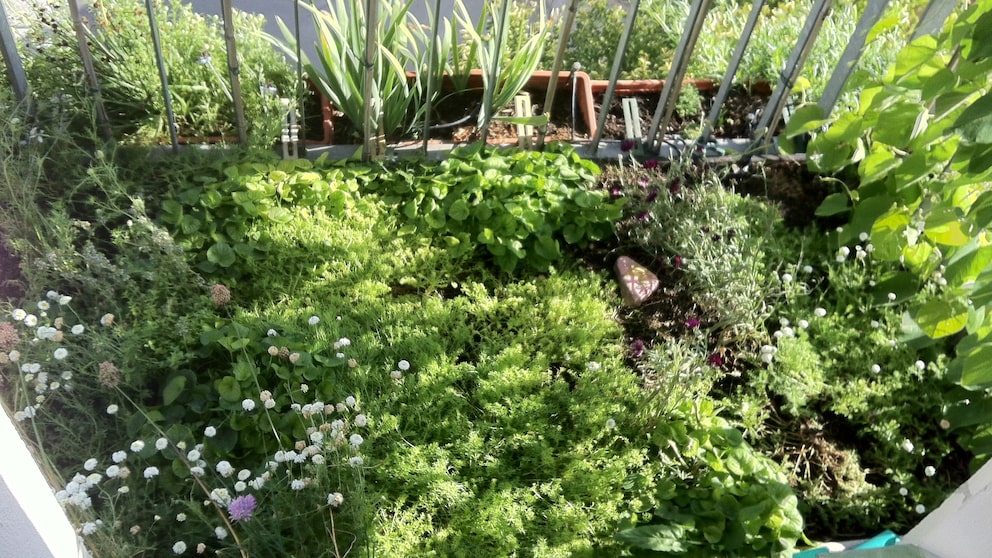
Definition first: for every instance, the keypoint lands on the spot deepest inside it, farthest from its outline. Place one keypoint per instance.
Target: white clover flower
(356, 440)
(180, 517)
(903, 491)
(271, 333)
(179, 547)
(611, 424)
(221, 496)
(930, 471)
(18, 314)
(318, 459)
(403, 365)
(783, 322)
(43, 305)
(803, 324)
(844, 251)
(220, 532)
(196, 471)
(892, 296)
(113, 471)
(335, 499)
(820, 312)
(344, 342)
(863, 236)
(350, 401)
(137, 446)
(248, 405)
(93, 479)
(361, 421)
(875, 324)
(64, 299)
(210, 432)
(30, 320)
(304, 388)
(106, 319)
(314, 320)
(257, 483)
(112, 409)
(907, 445)
(119, 456)
(90, 464)
(356, 461)
(193, 455)
(151, 472)
(786, 277)
(876, 368)
(396, 375)
(60, 353)
(52, 295)
(14, 356)
(807, 269)
(593, 366)
(297, 484)
(88, 528)
(921, 509)
(243, 474)
(317, 436)
(77, 329)
(161, 444)
(67, 375)
(269, 403)
(240, 486)
(920, 365)
(225, 469)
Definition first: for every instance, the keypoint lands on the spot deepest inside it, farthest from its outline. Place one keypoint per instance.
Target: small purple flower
(692, 323)
(643, 216)
(677, 262)
(643, 182)
(637, 348)
(715, 360)
(651, 164)
(626, 145)
(675, 187)
(616, 192)
(241, 508)
(652, 195)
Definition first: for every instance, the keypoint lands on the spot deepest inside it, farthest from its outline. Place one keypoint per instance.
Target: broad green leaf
(887, 235)
(899, 123)
(459, 211)
(877, 164)
(921, 258)
(969, 267)
(946, 227)
(228, 389)
(977, 367)
(221, 254)
(975, 123)
(279, 215)
(805, 119)
(939, 318)
(833, 204)
(173, 389)
(659, 538)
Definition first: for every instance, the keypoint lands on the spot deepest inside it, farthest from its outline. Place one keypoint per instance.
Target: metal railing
(771, 114)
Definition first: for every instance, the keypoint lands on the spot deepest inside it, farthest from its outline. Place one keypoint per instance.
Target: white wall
(32, 523)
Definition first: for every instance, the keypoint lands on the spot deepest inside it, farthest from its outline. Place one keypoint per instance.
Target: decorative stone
(636, 282)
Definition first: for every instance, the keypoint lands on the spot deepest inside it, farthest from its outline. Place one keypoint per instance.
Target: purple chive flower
(651, 164)
(626, 145)
(643, 216)
(637, 348)
(652, 195)
(675, 187)
(692, 323)
(715, 360)
(241, 508)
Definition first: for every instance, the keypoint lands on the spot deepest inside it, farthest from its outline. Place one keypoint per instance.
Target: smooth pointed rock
(637, 283)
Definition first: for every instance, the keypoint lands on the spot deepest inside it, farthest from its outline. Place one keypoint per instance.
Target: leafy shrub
(518, 204)
(192, 45)
(713, 494)
(919, 146)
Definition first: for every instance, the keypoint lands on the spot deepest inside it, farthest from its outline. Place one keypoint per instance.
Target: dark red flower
(715, 360)
(626, 145)
(692, 323)
(675, 187)
(652, 195)
(651, 164)
(677, 262)
(643, 216)
(637, 348)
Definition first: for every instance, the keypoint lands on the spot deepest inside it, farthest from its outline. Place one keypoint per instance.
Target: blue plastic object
(881, 540)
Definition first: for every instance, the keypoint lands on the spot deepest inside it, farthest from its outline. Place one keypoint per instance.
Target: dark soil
(455, 117)
(11, 287)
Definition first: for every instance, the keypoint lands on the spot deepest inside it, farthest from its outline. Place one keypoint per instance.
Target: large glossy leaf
(940, 318)
(975, 123)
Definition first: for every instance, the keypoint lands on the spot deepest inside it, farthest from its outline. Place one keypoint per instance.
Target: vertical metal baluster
(163, 76)
(604, 109)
